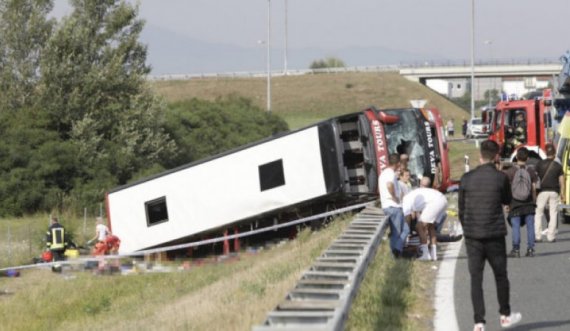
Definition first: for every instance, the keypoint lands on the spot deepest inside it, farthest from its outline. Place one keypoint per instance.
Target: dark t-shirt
(549, 183)
(526, 207)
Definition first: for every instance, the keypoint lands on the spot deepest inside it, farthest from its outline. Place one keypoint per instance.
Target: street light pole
(286, 40)
(268, 55)
(490, 44)
(472, 58)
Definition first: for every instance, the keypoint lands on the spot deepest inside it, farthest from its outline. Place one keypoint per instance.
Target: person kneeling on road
(429, 204)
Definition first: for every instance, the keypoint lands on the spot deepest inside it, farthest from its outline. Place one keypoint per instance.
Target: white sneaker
(425, 253)
(424, 257)
(512, 319)
(479, 327)
(433, 252)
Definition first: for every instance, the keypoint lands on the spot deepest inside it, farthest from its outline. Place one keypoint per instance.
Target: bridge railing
(374, 68)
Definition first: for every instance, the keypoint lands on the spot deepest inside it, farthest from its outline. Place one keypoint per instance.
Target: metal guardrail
(275, 73)
(372, 68)
(322, 297)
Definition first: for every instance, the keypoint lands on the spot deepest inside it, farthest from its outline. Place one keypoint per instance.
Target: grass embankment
(306, 99)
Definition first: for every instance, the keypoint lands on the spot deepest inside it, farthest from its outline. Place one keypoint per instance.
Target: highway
(540, 287)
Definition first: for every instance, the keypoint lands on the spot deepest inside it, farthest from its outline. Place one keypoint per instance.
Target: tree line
(77, 116)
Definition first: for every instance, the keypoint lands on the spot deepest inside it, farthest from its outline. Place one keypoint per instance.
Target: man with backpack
(522, 208)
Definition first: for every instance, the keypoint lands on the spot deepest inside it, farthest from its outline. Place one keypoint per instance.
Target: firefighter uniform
(55, 240)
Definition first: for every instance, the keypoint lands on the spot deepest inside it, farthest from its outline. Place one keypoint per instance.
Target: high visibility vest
(57, 238)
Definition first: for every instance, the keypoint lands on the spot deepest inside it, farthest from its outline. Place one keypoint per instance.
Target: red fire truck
(531, 123)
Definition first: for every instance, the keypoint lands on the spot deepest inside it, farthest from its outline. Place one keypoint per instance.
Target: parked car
(476, 128)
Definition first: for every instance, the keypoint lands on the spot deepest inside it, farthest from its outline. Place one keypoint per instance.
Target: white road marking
(445, 318)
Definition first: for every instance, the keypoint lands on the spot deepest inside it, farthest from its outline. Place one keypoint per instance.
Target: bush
(204, 128)
(330, 62)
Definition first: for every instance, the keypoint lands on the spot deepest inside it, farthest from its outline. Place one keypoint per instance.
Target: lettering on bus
(431, 147)
(380, 145)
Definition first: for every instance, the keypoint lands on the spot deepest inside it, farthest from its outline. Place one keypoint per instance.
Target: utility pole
(268, 55)
(286, 40)
(492, 89)
(472, 58)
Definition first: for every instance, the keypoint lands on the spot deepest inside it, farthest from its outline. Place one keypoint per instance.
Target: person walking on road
(389, 189)
(551, 177)
(522, 208)
(482, 194)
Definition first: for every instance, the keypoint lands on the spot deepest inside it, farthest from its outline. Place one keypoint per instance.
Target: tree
(204, 128)
(329, 62)
(94, 89)
(76, 114)
(24, 31)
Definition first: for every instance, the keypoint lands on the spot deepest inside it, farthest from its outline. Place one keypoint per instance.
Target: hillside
(305, 99)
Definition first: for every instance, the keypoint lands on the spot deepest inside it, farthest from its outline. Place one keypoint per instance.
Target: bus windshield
(408, 135)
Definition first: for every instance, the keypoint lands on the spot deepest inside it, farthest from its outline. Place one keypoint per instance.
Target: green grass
(22, 238)
(457, 152)
(230, 295)
(394, 295)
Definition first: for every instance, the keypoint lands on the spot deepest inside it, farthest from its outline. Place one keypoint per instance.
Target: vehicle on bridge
(330, 164)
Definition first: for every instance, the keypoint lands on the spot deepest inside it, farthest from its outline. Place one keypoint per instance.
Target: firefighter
(55, 239)
(516, 133)
(520, 130)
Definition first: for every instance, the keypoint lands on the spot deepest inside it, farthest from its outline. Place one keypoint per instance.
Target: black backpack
(521, 184)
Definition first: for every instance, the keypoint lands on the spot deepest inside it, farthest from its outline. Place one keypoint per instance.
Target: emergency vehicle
(563, 154)
(530, 123)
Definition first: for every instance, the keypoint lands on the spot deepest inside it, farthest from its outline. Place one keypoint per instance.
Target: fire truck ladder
(322, 297)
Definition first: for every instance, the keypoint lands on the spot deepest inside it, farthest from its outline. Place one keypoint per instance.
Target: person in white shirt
(404, 181)
(101, 231)
(427, 205)
(389, 189)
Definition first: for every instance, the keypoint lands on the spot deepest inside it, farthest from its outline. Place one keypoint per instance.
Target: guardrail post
(226, 243)
(466, 163)
(236, 240)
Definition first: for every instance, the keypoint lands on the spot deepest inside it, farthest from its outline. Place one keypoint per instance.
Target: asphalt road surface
(540, 287)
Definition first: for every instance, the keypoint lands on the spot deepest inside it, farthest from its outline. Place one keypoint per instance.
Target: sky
(432, 29)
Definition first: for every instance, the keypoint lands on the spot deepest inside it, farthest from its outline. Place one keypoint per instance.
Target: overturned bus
(329, 164)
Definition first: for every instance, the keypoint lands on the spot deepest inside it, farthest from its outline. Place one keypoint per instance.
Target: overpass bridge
(422, 73)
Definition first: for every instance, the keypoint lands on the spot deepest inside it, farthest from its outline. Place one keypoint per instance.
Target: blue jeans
(516, 224)
(399, 229)
(439, 222)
